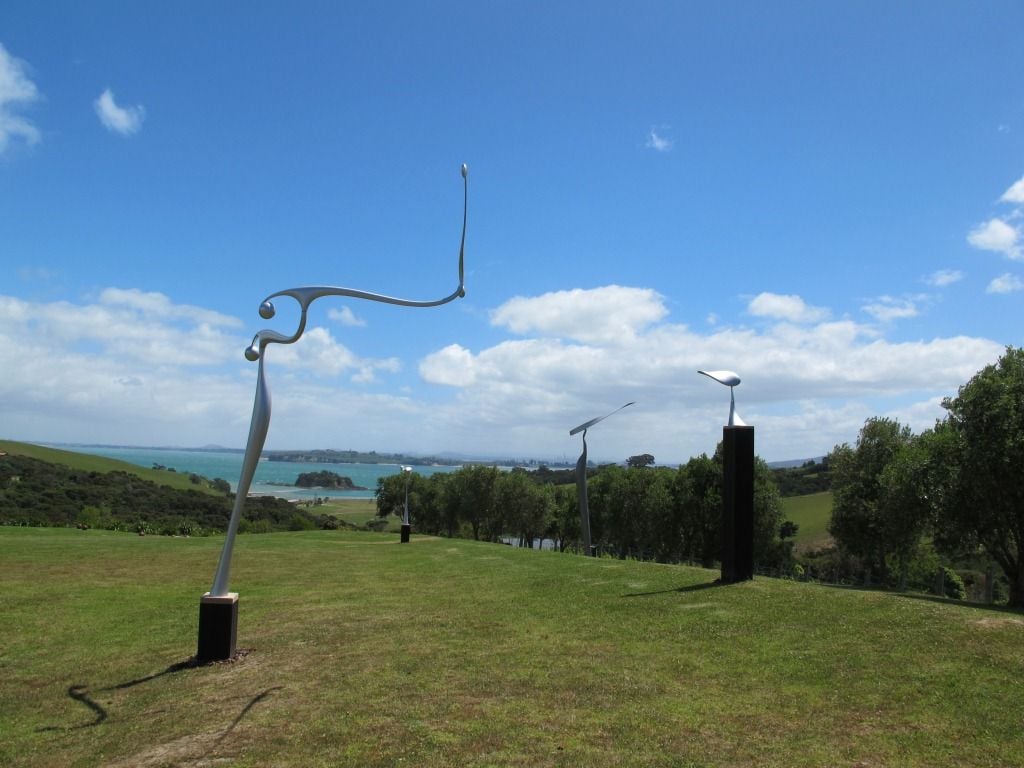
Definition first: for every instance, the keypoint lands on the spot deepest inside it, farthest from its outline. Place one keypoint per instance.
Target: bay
(272, 478)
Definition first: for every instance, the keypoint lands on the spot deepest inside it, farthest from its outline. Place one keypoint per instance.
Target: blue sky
(827, 198)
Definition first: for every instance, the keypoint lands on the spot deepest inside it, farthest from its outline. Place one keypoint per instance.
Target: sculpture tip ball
(465, 170)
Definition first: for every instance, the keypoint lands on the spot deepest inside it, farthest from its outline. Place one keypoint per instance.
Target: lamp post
(218, 608)
(581, 479)
(406, 527)
(737, 489)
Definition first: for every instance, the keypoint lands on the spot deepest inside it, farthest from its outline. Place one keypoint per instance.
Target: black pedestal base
(218, 627)
(737, 504)
(406, 529)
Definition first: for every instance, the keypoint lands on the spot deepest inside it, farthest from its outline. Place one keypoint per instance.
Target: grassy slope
(456, 653)
(812, 513)
(88, 463)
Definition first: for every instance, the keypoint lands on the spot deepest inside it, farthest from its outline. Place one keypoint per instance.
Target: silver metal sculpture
(261, 404)
(407, 471)
(581, 478)
(730, 380)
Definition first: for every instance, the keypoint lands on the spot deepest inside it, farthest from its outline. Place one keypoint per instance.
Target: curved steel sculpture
(261, 404)
(730, 380)
(581, 478)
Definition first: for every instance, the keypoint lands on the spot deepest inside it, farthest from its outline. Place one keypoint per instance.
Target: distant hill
(89, 463)
(49, 487)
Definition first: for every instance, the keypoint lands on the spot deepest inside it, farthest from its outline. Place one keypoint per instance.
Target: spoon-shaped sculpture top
(730, 379)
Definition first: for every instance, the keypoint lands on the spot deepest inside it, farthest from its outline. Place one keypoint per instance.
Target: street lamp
(218, 608)
(581, 479)
(406, 527)
(737, 489)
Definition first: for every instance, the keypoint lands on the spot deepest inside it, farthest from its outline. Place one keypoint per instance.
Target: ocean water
(276, 478)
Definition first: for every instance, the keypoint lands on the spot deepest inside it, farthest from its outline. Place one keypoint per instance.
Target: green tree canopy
(983, 500)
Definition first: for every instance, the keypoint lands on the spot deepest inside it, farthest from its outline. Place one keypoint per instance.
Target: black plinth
(737, 504)
(406, 528)
(218, 627)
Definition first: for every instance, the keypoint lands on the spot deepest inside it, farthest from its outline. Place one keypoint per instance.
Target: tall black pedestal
(737, 504)
(406, 530)
(218, 627)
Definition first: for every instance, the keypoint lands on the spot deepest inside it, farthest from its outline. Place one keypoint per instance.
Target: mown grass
(87, 462)
(812, 513)
(365, 652)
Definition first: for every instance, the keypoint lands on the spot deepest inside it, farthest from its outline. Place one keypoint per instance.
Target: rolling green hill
(86, 462)
(364, 652)
(812, 513)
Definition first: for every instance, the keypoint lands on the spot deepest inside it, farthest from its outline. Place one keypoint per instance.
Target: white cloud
(346, 317)
(122, 120)
(944, 277)
(996, 235)
(16, 91)
(612, 314)
(159, 305)
(785, 307)
(887, 308)
(1005, 283)
(657, 142)
(1015, 194)
(137, 367)
(807, 386)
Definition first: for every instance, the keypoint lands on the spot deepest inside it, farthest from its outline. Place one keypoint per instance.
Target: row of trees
(669, 515)
(956, 487)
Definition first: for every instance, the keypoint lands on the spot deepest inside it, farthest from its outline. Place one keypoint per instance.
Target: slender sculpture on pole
(730, 380)
(581, 479)
(406, 525)
(737, 489)
(213, 632)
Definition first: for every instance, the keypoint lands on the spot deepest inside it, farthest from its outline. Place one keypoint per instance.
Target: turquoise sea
(275, 478)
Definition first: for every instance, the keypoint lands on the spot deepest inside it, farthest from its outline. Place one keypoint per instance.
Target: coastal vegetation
(92, 492)
(326, 479)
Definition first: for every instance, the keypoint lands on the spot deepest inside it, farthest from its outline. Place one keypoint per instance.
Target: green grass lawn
(88, 463)
(365, 652)
(812, 513)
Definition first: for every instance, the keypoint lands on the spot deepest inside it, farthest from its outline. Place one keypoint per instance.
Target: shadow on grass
(81, 694)
(681, 590)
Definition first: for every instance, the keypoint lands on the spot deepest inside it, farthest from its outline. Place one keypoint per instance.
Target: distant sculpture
(261, 404)
(730, 380)
(581, 479)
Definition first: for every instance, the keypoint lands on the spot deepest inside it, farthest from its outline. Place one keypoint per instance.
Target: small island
(327, 480)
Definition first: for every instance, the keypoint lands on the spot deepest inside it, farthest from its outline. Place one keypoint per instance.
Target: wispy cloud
(123, 120)
(944, 277)
(346, 317)
(1015, 194)
(787, 307)
(1005, 283)
(16, 92)
(885, 309)
(657, 141)
(996, 235)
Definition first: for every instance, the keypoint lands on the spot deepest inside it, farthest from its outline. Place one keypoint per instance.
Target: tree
(984, 500)
(858, 509)
(911, 486)
(642, 460)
